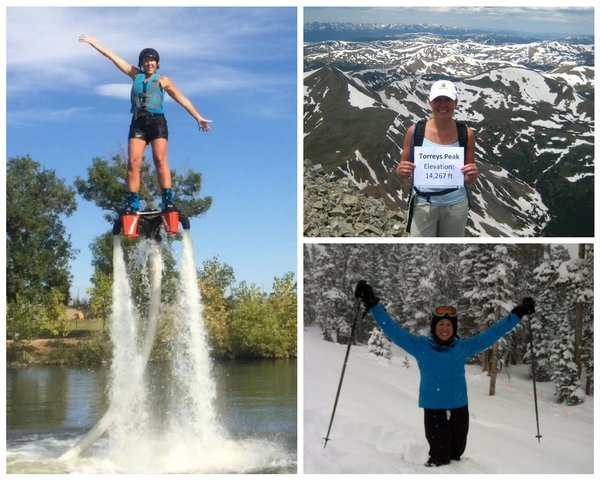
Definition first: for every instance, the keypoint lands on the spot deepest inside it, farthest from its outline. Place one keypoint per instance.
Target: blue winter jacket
(443, 384)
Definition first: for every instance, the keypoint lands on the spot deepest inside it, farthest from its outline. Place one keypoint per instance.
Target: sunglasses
(445, 311)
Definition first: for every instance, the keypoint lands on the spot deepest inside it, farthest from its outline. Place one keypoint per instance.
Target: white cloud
(44, 115)
(114, 90)
(207, 49)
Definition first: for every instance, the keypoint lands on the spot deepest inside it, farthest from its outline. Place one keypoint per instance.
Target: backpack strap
(463, 141)
(417, 138)
(463, 137)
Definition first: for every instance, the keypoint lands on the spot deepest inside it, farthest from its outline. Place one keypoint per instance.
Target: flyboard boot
(133, 222)
(129, 217)
(169, 214)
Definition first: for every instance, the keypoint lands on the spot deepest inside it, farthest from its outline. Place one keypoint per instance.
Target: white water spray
(129, 359)
(190, 438)
(194, 413)
(131, 425)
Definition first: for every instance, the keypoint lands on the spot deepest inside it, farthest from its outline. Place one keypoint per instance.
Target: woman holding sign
(439, 155)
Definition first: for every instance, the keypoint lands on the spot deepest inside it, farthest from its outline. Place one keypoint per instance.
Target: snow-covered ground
(378, 427)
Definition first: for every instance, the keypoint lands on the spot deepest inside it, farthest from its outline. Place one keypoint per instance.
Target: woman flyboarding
(148, 124)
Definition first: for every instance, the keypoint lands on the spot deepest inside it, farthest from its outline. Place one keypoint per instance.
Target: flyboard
(147, 224)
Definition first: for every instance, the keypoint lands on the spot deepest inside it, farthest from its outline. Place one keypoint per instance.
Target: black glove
(526, 307)
(364, 292)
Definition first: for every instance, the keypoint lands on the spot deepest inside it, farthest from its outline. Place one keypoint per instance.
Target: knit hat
(442, 88)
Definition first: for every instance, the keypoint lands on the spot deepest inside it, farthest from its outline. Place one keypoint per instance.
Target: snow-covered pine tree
(583, 281)
(546, 318)
(502, 279)
(393, 271)
(470, 305)
(564, 367)
(419, 292)
(328, 293)
(492, 267)
(568, 387)
(528, 257)
(379, 345)
(587, 347)
(447, 277)
(310, 286)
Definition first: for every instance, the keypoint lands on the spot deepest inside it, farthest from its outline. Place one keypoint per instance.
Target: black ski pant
(446, 432)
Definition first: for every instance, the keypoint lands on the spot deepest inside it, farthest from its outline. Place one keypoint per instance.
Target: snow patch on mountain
(358, 99)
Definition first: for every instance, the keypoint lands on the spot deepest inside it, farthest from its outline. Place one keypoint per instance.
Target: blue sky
(534, 21)
(67, 104)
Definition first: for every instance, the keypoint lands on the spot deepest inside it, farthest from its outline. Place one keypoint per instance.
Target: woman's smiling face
(443, 107)
(444, 330)
(149, 64)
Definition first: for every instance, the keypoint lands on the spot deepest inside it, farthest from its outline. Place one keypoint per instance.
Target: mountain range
(530, 103)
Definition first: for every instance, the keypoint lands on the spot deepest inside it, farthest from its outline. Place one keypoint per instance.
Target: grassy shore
(84, 343)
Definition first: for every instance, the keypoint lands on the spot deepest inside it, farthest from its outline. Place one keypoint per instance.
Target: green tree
(101, 296)
(250, 328)
(105, 186)
(284, 302)
(54, 315)
(215, 279)
(264, 325)
(22, 316)
(38, 249)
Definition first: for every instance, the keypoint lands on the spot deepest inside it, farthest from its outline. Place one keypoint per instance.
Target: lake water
(50, 408)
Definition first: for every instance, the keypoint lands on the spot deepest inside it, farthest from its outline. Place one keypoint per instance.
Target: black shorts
(149, 128)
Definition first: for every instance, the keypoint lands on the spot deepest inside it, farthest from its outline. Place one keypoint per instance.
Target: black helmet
(148, 52)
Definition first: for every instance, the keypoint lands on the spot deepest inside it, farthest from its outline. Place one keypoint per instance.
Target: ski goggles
(445, 311)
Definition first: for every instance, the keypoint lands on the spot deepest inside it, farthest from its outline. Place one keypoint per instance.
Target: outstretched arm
(121, 64)
(409, 342)
(182, 100)
(404, 339)
(484, 340)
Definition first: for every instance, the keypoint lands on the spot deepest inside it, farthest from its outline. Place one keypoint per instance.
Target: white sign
(439, 167)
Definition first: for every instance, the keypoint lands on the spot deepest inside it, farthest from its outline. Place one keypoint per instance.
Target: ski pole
(337, 395)
(537, 419)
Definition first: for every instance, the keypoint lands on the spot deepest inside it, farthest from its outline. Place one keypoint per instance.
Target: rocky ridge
(335, 207)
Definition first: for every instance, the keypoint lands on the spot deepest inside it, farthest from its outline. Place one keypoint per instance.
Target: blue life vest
(147, 95)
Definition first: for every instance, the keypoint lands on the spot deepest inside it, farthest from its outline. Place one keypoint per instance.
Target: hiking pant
(439, 221)
(446, 431)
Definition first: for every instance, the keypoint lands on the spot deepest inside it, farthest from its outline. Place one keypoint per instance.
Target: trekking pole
(537, 419)
(337, 395)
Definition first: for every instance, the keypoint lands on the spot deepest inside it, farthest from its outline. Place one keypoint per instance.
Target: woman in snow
(441, 358)
(148, 125)
(439, 211)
